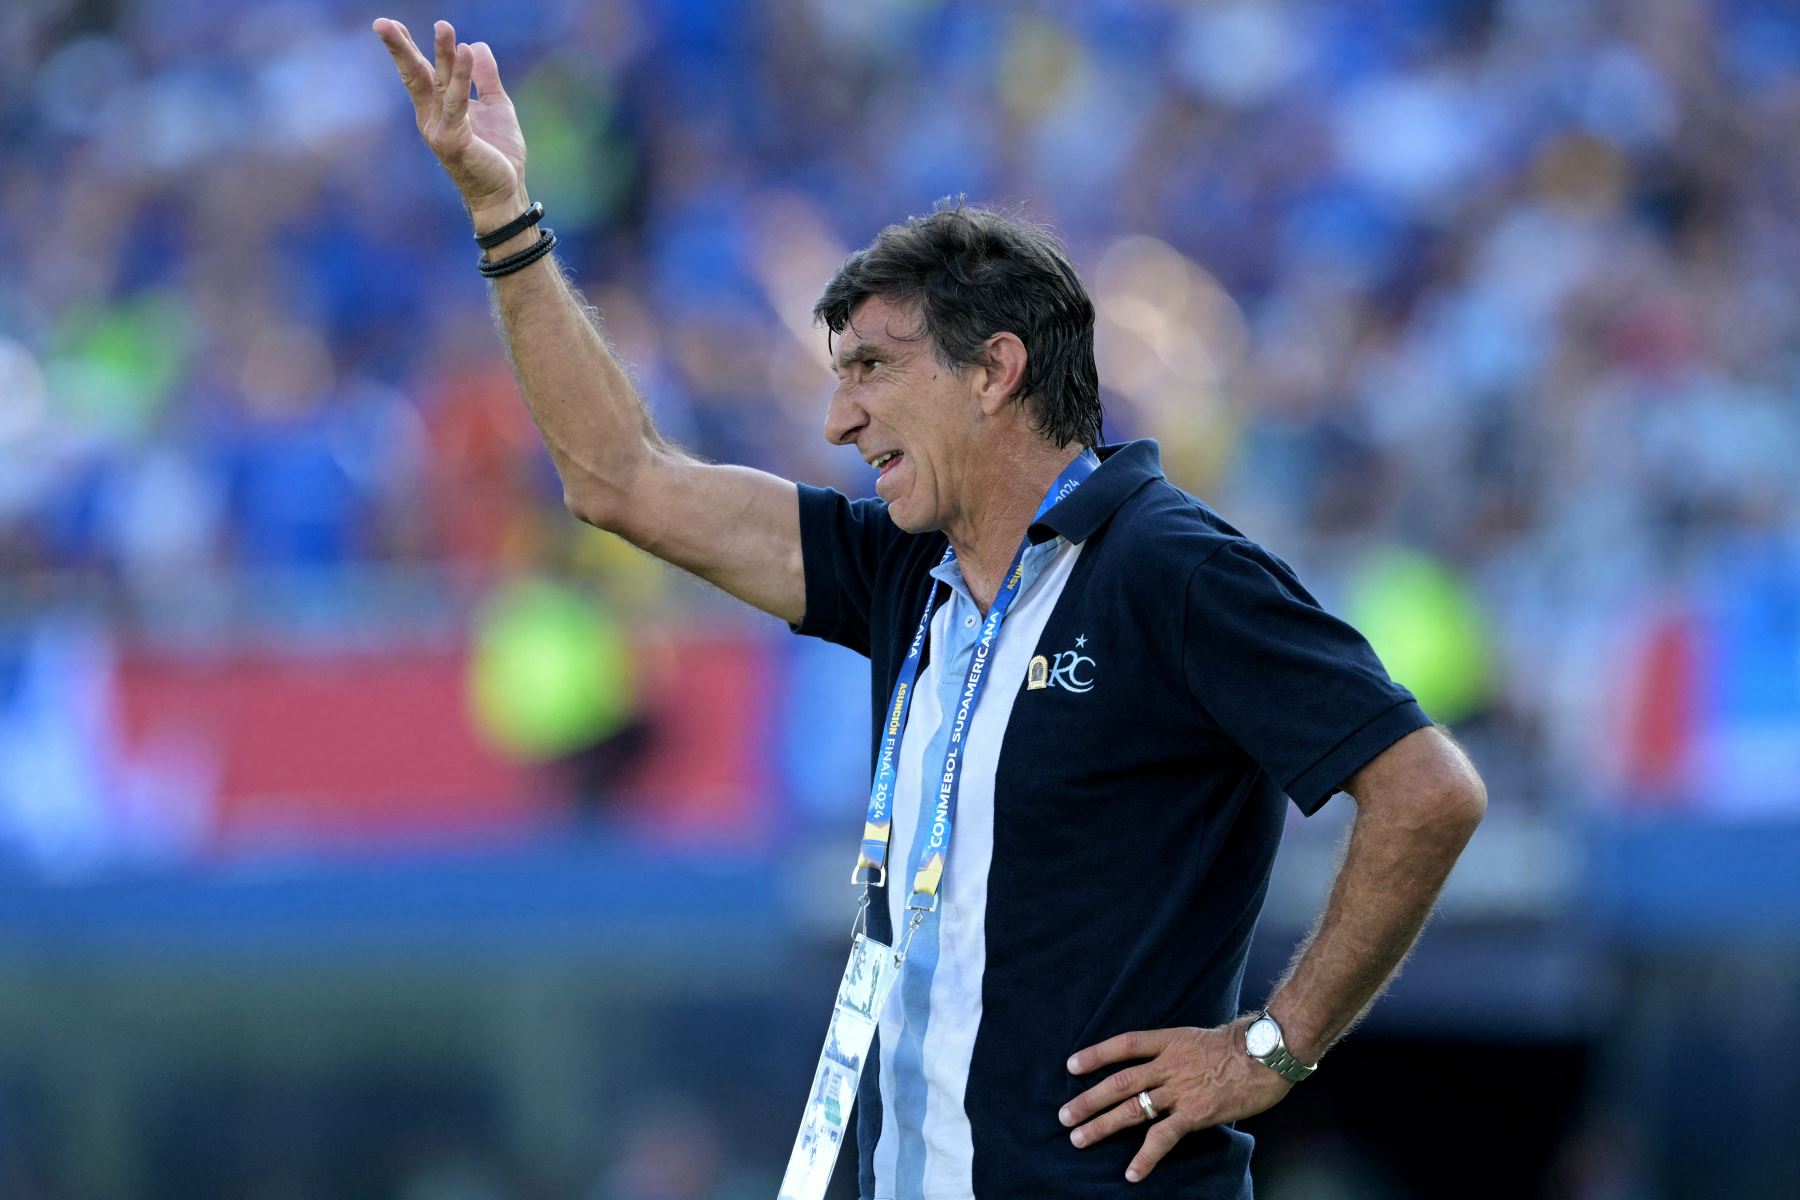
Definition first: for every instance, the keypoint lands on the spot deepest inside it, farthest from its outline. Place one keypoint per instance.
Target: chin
(903, 516)
(899, 519)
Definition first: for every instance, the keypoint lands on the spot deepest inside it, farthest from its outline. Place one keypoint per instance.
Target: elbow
(597, 505)
(1459, 800)
(1465, 804)
(584, 507)
(1458, 797)
(609, 498)
(1423, 787)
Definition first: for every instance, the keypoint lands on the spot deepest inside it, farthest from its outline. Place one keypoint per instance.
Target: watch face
(1262, 1037)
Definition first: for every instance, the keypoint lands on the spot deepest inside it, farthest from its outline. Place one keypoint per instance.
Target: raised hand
(478, 142)
(1195, 1078)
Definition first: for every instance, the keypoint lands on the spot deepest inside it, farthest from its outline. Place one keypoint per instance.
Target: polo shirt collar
(1037, 556)
(1124, 469)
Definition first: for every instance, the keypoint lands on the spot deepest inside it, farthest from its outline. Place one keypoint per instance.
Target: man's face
(895, 398)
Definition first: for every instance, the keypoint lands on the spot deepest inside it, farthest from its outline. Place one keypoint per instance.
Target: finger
(445, 47)
(456, 94)
(1120, 1116)
(487, 73)
(1159, 1141)
(1126, 1046)
(1108, 1092)
(415, 72)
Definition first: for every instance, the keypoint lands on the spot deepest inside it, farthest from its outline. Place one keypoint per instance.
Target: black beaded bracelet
(518, 262)
(514, 227)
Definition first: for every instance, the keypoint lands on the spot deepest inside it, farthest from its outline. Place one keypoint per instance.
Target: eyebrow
(861, 352)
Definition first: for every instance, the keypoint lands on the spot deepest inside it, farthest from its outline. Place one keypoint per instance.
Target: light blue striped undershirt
(964, 626)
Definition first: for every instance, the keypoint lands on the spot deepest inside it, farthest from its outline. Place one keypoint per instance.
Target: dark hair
(974, 272)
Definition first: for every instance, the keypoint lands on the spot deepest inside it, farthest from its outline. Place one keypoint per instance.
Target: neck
(990, 527)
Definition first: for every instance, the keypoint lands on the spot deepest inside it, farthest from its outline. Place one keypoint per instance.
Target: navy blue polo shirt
(1160, 689)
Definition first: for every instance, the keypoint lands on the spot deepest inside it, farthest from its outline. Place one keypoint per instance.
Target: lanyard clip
(860, 924)
(912, 927)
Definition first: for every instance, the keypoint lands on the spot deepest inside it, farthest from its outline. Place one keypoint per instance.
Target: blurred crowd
(1485, 313)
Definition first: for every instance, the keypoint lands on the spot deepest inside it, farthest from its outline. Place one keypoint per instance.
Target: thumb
(487, 73)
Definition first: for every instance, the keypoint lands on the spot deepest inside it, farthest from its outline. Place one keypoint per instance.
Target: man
(1068, 1015)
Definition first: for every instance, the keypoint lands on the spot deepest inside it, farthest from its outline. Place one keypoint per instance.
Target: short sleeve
(1298, 690)
(842, 543)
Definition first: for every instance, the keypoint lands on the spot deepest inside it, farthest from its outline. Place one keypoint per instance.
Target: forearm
(616, 472)
(590, 417)
(1400, 853)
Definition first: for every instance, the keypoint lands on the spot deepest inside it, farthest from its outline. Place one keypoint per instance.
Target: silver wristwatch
(1264, 1042)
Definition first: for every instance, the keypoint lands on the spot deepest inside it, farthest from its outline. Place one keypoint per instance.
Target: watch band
(1286, 1065)
(1280, 1060)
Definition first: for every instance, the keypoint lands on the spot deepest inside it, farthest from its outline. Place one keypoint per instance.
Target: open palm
(478, 141)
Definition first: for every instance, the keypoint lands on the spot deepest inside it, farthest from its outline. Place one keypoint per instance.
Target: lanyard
(871, 863)
(873, 968)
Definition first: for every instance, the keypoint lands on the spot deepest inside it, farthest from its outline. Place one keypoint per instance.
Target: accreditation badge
(868, 978)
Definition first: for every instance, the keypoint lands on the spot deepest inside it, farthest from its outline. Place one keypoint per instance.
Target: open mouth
(886, 461)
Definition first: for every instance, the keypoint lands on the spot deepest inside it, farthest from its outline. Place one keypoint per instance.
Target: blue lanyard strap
(871, 862)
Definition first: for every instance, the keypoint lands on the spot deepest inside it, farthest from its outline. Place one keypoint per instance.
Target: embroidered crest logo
(1071, 670)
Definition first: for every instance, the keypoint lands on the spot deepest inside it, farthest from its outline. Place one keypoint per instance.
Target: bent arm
(737, 528)
(1418, 803)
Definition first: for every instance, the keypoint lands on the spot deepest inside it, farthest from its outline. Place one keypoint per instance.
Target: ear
(1002, 372)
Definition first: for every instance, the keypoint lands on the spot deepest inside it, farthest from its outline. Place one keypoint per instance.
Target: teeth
(883, 460)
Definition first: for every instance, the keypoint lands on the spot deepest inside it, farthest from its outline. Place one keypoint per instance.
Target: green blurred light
(1428, 629)
(576, 156)
(551, 671)
(118, 364)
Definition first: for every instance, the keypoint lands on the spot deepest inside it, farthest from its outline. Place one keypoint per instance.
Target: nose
(844, 419)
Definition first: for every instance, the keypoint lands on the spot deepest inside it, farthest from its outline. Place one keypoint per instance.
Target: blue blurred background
(369, 829)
